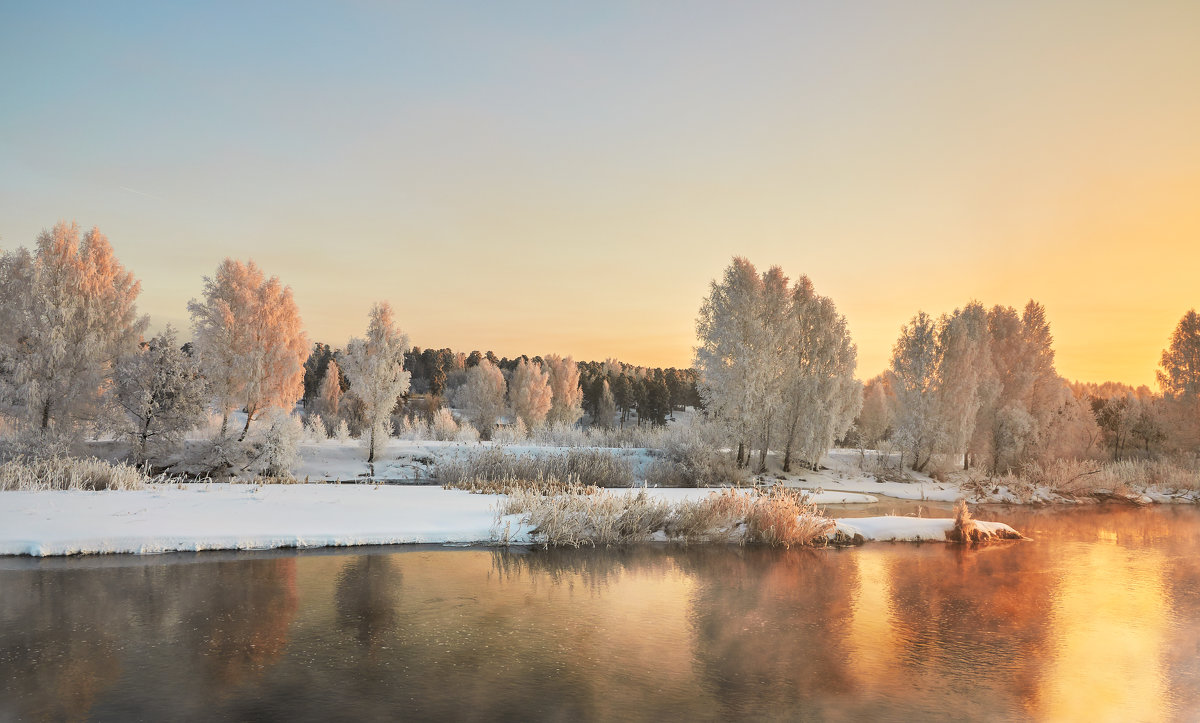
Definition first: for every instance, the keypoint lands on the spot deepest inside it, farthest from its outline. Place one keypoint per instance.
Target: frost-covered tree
(160, 393)
(566, 396)
(481, 396)
(819, 395)
(730, 335)
(875, 418)
(914, 372)
(375, 367)
(606, 406)
(67, 314)
(249, 341)
(529, 393)
(329, 394)
(964, 374)
(1179, 372)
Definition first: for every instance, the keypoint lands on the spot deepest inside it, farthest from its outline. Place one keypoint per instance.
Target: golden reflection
(1109, 620)
(872, 637)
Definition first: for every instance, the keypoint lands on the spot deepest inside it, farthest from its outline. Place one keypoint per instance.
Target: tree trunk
(762, 455)
(224, 424)
(741, 453)
(245, 429)
(46, 415)
(371, 450)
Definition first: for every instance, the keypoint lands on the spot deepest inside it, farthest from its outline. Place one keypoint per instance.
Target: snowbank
(167, 518)
(242, 517)
(910, 529)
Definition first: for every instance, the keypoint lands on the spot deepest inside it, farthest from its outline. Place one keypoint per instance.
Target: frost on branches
(249, 341)
(375, 368)
(481, 397)
(566, 396)
(529, 393)
(160, 393)
(776, 364)
(67, 315)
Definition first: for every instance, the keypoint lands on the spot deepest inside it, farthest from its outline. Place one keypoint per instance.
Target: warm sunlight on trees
(250, 342)
(67, 314)
(529, 393)
(375, 368)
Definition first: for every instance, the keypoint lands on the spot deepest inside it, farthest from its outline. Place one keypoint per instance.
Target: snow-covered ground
(214, 516)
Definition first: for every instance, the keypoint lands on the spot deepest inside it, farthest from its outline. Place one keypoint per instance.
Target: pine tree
(606, 406)
(375, 367)
(250, 342)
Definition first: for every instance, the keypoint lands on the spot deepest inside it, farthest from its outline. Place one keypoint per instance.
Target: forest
(773, 384)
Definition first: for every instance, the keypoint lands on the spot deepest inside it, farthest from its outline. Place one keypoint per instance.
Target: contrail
(141, 193)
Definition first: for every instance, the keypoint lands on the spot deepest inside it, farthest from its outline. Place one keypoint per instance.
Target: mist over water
(1097, 618)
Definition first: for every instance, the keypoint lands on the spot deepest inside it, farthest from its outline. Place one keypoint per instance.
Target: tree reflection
(366, 604)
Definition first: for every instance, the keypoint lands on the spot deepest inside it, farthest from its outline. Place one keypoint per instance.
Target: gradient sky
(538, 177)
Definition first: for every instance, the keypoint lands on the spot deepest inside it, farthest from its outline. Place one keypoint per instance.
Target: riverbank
(213, 516)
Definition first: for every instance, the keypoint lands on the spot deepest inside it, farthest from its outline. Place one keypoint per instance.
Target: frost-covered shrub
(514, 433)
(342, 431)
(686, 459)
(443, 427)
(559, 434)
(68, 473)
(314, 428)
(466, 433)
(600, 468)
(575, 515)
(281, 443)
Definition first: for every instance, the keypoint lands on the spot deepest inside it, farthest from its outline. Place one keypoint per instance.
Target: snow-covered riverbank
(165, 518)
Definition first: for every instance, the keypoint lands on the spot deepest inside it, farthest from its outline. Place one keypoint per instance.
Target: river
(1096, 618)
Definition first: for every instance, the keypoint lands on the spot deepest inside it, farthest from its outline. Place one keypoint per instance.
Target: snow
(908, 529)
(236, 516)
(216, 516)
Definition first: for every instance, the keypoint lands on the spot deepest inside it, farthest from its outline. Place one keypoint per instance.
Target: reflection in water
(1097, 618)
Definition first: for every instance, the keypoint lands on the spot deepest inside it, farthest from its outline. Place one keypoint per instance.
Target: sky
(569, 177)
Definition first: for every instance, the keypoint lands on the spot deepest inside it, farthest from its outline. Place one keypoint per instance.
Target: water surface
(1097, 618)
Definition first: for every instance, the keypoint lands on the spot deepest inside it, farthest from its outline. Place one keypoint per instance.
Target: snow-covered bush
(68, 473)
(281, 443)
(559, 434)
(584, 466)
(443, 427)
(574, 515)
(466, 433)
(686, 459)
(514, 433)
(342, 431)
(314, 428)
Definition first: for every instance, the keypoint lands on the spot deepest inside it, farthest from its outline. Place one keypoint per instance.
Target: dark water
(1097, 619)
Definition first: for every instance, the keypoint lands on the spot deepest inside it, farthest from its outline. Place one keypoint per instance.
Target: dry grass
(687, 459)
(575, 515)
(1085, 478)
(68, 473)
(967, 530)
(597, 467)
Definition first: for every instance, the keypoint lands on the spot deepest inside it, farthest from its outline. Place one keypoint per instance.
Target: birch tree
(729, 333)
(68, 314)
(249, 340)
(375, 367)
(566, 396)
(529, 393)
(481, 396)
